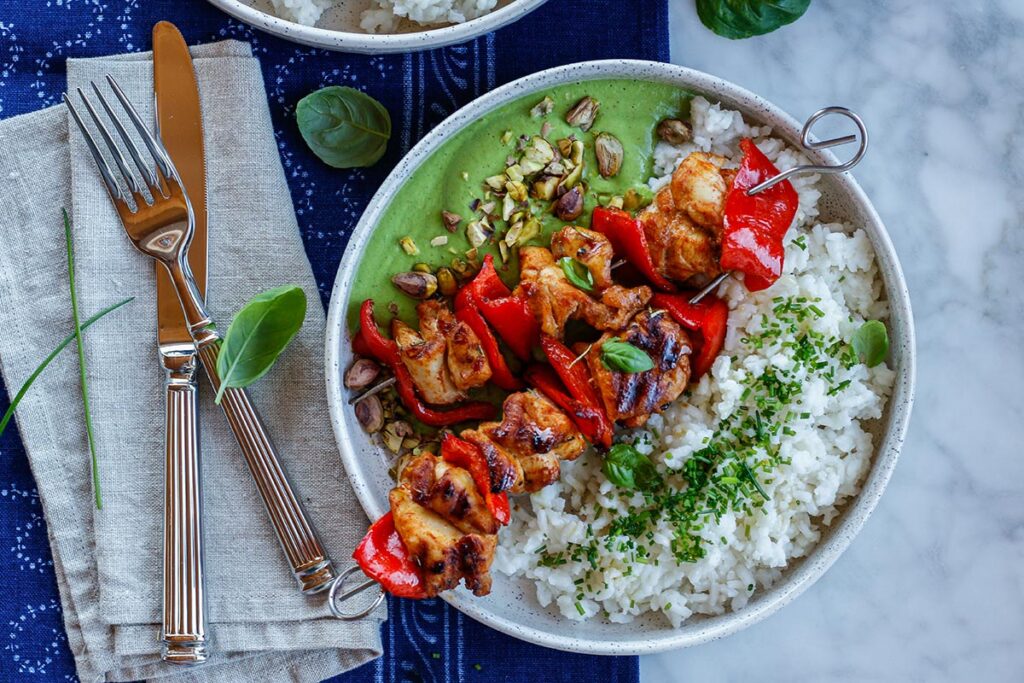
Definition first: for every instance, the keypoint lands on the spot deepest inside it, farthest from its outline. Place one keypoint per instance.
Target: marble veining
(933, 587)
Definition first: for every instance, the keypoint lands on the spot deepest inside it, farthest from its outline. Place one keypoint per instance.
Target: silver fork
(157, 219)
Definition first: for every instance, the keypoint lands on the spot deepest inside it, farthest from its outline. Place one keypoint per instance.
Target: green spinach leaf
(577, 273)
(622, 356)
(745, 18)
(258, 335)
(343, 126)
(871, 342)
(627, 468)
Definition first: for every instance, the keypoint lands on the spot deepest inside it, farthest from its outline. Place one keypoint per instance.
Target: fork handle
(310, 564)
(184, 634)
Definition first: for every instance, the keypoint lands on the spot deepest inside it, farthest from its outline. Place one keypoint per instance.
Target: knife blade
(179, 123)
(180, 126)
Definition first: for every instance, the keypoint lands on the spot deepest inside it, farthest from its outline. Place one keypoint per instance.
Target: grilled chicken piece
(531, 439)
(590, 248)
(446, 554)
(554, 300)
(444, 358)
(630, 398)
(467, 361)
(450, 492)
(684, 223)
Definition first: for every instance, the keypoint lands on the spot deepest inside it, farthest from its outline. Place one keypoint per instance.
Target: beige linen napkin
(108, 562)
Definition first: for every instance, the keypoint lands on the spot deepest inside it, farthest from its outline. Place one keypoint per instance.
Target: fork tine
(115, 151)
(108, 173)
(156, 148)
(133, 149)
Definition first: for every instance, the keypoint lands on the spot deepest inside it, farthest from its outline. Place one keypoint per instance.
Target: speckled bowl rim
(377, 43)
(852, 517)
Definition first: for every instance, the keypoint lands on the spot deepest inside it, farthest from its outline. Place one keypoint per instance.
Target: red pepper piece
(590, 421)
(576, 379)
(359, 345)
(470, 458)
(512, 319)
(486, 284)
(628, 239)
(384, 558)
(709, 317)
(386, 351)
(755, 225)
(467, 309)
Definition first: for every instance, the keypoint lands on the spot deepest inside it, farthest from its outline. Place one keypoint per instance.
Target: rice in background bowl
(389, 16)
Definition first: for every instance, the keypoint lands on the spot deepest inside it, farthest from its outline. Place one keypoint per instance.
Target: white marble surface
(933, 588)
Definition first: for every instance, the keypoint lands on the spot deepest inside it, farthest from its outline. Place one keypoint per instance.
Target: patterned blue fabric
(423, 641)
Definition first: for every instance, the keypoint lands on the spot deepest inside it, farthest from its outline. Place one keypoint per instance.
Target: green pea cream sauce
(452, 177)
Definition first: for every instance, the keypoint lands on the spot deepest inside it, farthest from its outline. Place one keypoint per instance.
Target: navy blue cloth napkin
(426, 640)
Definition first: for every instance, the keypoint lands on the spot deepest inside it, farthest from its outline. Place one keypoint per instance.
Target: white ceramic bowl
(511, 607)
(338, 29)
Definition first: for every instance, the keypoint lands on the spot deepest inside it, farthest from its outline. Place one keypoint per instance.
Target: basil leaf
(577, 273)
(871, 342)
(343, 126)
(258, 335)
(627, 468)
(624, 357)
(745, 18)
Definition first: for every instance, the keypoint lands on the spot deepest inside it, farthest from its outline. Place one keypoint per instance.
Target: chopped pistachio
(544, 187)
(506, 137)
(415, 284)
(370, 414)
(537, 155)
(576, 152)
(583, 113)
(530, 230)
(558, 167)
(465, 175)
(508, 205)
(439, 241)
(542, 108)
(516, 190)
(361, 374)
(503, 251)
(446, 283)
(674, 131)
(637, 198)
(570, 205)
(423, 268)
(545, 129)
(495, 182)
(609, 153)
(564, 146)
(461, 268)
(408, 245)
(479, 231)
(451, 220)
(514, 173)
(616, 202)
(512, 236)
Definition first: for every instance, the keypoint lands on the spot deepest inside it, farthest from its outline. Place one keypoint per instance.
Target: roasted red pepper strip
(628, 241)
(470, 458)
(755, 225)
(709, 317)
(386, 351)
(512, 319)
(384, 558)
(576, 379)
(486, 284)
(589, 420)
(467, 309)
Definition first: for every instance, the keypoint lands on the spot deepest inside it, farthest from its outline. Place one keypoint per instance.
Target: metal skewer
(811, 145)
(376, 388)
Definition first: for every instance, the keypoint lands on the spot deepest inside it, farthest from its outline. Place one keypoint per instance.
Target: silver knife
(184, 632)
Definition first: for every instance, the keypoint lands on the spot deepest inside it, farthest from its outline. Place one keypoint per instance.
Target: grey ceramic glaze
(511, 607)
(339, 29)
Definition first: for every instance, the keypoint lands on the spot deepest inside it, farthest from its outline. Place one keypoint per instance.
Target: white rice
(385, 16)
(825, 458)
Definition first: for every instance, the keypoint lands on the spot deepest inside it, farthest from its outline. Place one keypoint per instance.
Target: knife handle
(183, 635)
(310, 564)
